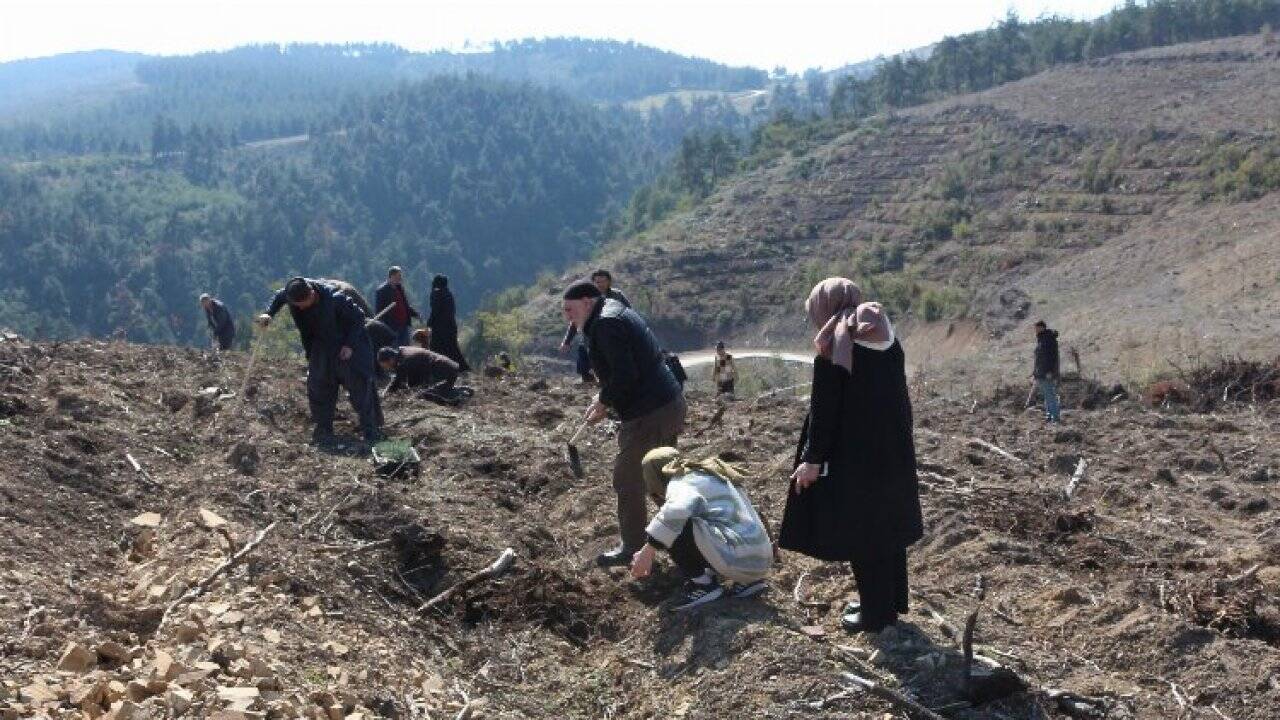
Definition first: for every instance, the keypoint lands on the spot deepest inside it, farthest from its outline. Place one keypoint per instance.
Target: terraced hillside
(1031, 199)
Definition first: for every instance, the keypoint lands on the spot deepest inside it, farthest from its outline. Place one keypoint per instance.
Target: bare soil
(1153, 588)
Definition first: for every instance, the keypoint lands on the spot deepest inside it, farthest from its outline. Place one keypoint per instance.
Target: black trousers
(324, 377)
(686, 555)
(882, 586)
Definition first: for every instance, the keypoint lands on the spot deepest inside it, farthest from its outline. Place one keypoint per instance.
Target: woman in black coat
(854, 494)
(443, 322)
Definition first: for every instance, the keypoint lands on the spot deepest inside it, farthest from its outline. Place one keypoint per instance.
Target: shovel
(575, 461)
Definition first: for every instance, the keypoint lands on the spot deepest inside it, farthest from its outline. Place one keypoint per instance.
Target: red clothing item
(400, 313)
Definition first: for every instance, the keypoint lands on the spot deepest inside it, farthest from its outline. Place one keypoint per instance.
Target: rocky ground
(1145, 588)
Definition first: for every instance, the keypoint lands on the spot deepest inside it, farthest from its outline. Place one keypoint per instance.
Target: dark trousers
(686, 555)
(725, 387)
(882, 586)
(225, 340)
(583, 363)
(324, 375)
(402, 335)
(637, 437)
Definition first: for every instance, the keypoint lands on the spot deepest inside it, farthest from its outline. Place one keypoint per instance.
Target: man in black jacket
(338, 351)
(603, 280)
(1046, 370)
(219, 319)
(635, 383)
(400, 317)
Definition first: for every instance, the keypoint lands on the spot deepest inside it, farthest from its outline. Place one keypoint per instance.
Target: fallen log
(498, 568)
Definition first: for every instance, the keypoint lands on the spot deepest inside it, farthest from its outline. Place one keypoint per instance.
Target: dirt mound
(148, 575)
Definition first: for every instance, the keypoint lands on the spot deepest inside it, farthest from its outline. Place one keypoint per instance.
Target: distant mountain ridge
(105, 100)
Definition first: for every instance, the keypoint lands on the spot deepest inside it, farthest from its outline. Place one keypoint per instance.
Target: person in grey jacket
(707, 524)
(221, 325)
(637, 385)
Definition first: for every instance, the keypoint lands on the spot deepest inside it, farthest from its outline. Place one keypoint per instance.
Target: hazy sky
(794, 33)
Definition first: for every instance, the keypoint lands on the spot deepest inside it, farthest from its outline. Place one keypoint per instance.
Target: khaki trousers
(636, 438)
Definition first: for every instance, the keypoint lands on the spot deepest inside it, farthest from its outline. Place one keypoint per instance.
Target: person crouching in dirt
(723, 372)
(338, 351)
(416, 367)
(854, 493)
(637, 385)
(221, 326)
(1046, 368)
(709, 526)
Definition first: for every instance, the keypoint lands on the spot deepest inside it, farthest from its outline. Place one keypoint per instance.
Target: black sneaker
(616, 557)
(748, 590)
(697, 594)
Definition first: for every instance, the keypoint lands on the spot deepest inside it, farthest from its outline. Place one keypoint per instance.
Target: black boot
(617, 557)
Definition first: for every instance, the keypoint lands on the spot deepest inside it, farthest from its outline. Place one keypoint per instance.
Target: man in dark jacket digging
(1046, 370)
(338, 351)
(635, 383)
(400, 317)
(219, 319)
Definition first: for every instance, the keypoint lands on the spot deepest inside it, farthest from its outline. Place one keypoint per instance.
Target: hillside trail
(705, 357)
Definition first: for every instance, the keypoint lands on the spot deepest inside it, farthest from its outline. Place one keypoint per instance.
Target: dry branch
(989, 447)
(499, 566)
(902, 702)
(208, 581)
(142, 472)
(1076, 477)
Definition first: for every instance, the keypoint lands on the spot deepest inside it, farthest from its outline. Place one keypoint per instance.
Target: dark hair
(1041, 324)
(602, 273)
(440, 281)
(720, 345)
(393, 270)
(297, 290)
(582, 289)
(388, 353)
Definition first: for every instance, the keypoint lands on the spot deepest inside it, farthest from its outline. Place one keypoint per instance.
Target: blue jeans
(1049, 391)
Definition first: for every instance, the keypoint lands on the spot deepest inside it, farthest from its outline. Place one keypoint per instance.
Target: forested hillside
(266, 91)
(485, 181)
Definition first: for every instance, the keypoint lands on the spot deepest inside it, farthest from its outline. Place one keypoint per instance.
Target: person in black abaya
(443, 322)
(854, 493)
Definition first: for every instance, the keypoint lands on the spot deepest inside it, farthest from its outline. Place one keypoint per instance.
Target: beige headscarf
(835, 307)
(663, 463)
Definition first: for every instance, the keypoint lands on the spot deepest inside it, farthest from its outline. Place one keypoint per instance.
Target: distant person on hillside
(443, 323)
(1046, 368)
(415, 367)
(349, 291)
(332, 330)
(603, 280)
(637, 385)
(854, 494)
(221, 326)
(707, 524)
(400, 317)
(723, 371)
